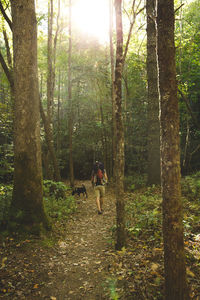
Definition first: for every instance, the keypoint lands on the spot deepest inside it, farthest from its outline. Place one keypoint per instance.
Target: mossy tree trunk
(27, 202)
(174, 257)
(153, 170)
(119, 166)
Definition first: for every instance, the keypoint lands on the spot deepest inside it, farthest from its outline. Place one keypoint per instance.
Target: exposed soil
(76, 268)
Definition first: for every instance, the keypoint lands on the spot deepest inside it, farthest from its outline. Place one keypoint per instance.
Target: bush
(191, 186)
(54, 189)
(134, 182)
(58, 200)
(5, 200)
(144, 213)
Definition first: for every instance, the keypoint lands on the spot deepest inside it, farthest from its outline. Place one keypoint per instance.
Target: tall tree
(47, 119)
(153, 124)
(112, 84)
(70, 112)
(174, 257)
(27, 202)
(119, 166)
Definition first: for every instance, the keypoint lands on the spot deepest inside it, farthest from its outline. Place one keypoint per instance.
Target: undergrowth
(58, 202)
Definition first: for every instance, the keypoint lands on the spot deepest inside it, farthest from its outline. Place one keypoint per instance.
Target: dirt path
(88, 238)
(77, 268)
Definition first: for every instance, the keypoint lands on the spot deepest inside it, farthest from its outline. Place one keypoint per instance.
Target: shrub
(5, 200)
(57, 200)
(54, 189)
(134, 182)
(191, 186)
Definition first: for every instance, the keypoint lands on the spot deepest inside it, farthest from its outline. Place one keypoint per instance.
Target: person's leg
(102, 194)
(97, 193)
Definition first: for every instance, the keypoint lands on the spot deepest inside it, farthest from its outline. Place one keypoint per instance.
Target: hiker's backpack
(98, 172)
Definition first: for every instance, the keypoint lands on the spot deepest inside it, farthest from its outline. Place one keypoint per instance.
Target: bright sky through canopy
(91, 17)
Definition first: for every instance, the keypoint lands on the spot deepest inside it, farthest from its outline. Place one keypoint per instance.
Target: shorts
(99, 191)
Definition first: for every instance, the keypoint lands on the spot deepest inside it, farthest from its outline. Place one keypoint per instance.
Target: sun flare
(91, 17)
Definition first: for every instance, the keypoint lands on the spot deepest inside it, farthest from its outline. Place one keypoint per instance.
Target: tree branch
(178, 8)
(189, 109)
(9, 58)
(5, 15)
(6, 70)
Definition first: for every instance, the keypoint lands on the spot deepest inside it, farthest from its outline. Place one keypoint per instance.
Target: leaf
(120, 278)
(4, 259)
(190, 273)
(154, 267)
(36, 286)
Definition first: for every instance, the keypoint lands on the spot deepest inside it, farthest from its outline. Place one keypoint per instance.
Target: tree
(174, 257)
(112, 84)
(70, 114)
(153, 125)
(119, 166)
(27, 202)
(47, 120)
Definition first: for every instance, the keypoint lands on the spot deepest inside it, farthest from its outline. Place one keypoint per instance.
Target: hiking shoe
(99, 212)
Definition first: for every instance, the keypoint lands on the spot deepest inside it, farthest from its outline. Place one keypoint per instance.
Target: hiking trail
(76, 268)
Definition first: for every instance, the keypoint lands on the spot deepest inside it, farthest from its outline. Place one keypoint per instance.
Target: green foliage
(112, 287)
(5, 201)
(54, 189)
(191, 200)
(144, 214)
(134, 182)
(188, 65)
(6, 163)
(191, 187)
(57, 200)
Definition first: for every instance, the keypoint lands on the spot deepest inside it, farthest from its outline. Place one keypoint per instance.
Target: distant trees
(174, 258)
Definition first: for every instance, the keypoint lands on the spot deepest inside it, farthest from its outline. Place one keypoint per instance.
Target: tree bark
(174, 256)
(112, 89)
(119, 166)
(27, 203)
(70, 121)
(50, 145)
(50, 62)
(153, 123)
(47, 120)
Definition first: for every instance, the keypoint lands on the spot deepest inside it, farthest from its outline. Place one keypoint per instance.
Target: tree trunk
(153, 170)
(174, 257)
(70, 122)
(50, 62)
(112, 89)
(58, 115)
(47, 120)
(119, 166)
(50, 145)
(27, 202)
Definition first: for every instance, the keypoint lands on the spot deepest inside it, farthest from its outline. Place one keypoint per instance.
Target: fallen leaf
(4, 259)
(154, 267)
(190, 273)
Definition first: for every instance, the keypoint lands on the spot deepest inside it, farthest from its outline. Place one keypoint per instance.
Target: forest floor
(82, 263)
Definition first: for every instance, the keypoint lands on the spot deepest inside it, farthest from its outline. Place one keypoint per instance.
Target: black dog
(80, 190)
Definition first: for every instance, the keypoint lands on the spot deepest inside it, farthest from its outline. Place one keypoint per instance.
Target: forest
(114, 81)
